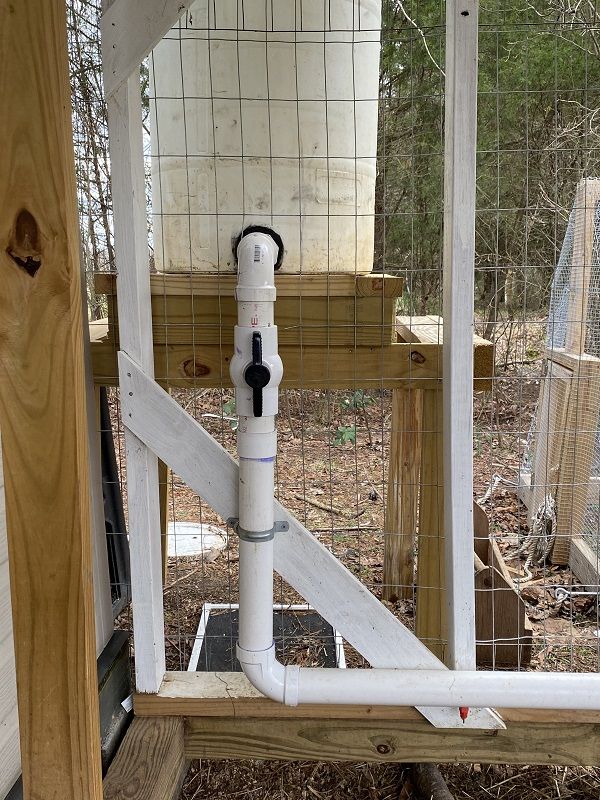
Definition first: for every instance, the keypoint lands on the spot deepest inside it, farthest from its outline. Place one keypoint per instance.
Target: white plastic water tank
(265, 113)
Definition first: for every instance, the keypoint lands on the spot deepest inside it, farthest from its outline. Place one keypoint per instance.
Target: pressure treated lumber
(201, 310)
(579, 438)
(43, 414)
(150, 763)
(503, 631)
(334, 739)
(585, 563)
(429, 329)
(207, 366)
(430, 623)
(402, 494)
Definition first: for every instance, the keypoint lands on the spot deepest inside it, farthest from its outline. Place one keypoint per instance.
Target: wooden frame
(568, 414)
(145, 430)
(227, 718)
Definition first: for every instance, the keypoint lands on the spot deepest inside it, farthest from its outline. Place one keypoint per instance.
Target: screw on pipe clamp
(257, 536)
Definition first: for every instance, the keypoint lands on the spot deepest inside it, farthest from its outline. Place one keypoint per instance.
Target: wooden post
(124, 108)
(150, 763)
(403, 492)
(164, 476)
(43, 410)
(431, 617)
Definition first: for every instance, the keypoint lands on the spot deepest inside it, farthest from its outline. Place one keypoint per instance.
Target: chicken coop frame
(180, 715)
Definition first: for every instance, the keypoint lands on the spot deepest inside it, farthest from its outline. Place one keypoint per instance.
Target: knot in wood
(24, 247)
(191, 368)
(417, 357)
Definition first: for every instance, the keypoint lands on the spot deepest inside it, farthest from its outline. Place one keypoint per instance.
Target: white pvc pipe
(256, 651)
(256, 596)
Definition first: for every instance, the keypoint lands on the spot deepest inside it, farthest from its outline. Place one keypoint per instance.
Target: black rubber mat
(301, 637)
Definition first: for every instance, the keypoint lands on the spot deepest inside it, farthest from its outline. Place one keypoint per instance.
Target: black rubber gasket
(261, 229)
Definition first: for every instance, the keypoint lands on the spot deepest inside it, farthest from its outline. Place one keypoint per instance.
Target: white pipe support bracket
(269, 676)
(280, 526)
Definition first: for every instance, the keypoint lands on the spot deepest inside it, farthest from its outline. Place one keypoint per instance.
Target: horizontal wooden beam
(227, 718)
(207, 366)
(583, 364)
(150, 763)
(430, 330)
(322, 284)
(334, 739)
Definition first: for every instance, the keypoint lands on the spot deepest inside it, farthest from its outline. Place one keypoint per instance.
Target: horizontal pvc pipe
(450, 688)
(395, 687)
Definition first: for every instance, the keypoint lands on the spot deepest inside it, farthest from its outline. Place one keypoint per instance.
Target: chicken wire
(563, 318)
(333, 463)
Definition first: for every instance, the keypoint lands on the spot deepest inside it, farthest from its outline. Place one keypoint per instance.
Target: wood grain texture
(200, 319)
(149, 764)
(388, 367)
(585, 563)
(334, 739)
(503, 631)
(430, 623)
(579, 438)
(403, 494)
(429, 329)
(549, 443)
(43, 414)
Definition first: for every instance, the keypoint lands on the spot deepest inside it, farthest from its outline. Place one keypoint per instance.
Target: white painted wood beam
(459, 260)
(206, 467)
(135, 331)
(130, 29)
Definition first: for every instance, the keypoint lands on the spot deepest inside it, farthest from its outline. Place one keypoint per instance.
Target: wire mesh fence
(325, 121)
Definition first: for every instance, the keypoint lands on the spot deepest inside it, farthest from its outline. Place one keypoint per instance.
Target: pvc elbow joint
(269, 676)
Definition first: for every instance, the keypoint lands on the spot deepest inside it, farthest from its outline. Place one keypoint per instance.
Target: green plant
(357, 401)
(345, 433)
(229, 413)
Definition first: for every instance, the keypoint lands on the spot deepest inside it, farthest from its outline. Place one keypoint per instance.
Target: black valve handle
(257, 375)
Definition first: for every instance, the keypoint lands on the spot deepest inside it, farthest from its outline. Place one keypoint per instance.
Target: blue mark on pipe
(260, 460)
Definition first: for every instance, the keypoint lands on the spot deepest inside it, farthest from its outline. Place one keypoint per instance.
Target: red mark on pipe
(464, 712)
